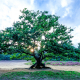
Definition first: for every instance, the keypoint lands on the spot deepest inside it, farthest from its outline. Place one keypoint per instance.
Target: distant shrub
(1, 57)
(21, 56)
(15, 56)
(7, 57)
(4, 57)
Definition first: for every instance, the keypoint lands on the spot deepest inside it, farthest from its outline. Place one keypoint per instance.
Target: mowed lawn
(41, 75)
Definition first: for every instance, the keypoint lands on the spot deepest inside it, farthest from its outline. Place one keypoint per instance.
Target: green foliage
(24, 37)
(5, 56)
(78, 45)
(15, 56)
(23, 56)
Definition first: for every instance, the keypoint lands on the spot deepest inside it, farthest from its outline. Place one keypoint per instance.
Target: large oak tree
(27, 33)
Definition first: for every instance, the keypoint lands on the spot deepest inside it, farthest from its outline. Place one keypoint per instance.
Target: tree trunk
(38, 63)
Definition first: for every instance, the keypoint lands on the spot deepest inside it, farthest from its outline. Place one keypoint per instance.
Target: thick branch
(28, 53)
(32, 55)
(41, 56)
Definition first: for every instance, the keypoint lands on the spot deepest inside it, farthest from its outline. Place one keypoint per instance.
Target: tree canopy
(33, 25)
(26, 35)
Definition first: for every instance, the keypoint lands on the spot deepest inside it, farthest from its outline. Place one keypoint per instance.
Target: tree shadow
(36, 69)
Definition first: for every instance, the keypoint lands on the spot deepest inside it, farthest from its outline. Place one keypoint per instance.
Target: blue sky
(68, 10)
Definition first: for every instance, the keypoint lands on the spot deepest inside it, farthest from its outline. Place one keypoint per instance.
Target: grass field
(41, 75)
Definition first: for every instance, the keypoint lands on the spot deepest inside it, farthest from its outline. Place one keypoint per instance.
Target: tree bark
(38, 63)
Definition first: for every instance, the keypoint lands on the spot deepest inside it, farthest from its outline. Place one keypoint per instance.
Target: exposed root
(38, 66)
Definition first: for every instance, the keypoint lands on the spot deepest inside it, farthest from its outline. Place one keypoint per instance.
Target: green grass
(40, 75)
(29, 63)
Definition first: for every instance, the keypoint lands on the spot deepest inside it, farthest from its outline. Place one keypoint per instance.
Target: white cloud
(32, 2)
(10, 11)
(67, 12)
(76, 34)
(51, 7)
(65, 3)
